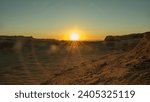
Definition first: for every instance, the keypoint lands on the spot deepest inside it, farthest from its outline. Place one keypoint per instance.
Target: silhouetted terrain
(116, 60)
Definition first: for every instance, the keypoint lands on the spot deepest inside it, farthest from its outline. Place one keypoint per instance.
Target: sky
(93, 19)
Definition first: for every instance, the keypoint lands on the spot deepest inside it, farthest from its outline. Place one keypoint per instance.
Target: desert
(123, 60)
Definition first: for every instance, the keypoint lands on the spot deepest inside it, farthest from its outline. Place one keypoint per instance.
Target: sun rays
(74, 36)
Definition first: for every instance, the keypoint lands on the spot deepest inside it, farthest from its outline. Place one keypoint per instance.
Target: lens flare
(74, 36)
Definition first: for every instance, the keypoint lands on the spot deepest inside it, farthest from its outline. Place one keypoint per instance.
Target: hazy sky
(55, 18)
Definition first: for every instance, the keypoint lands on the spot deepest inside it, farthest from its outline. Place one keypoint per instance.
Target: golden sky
(57, 19)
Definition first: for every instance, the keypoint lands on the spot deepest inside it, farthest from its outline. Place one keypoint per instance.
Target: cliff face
(124, 37)
(125, 42)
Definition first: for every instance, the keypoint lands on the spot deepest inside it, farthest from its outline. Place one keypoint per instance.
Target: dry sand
(116, 60)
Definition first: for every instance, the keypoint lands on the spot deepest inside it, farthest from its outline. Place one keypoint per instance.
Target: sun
(74, 36)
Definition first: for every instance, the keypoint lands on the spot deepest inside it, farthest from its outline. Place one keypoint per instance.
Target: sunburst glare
(74, 36)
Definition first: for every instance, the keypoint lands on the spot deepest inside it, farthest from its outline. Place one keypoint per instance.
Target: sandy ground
(63, 62)
(38, 64)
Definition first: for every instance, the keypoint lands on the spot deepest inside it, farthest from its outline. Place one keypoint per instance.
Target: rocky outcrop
(143, 47)
(134, 65)
(124, 42)
(124, 37)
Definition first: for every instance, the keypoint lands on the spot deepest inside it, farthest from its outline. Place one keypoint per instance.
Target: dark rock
(124, 37)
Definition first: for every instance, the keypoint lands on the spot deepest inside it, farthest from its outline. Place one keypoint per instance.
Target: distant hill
(124, 42)
(18, 43)
(124, 37)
